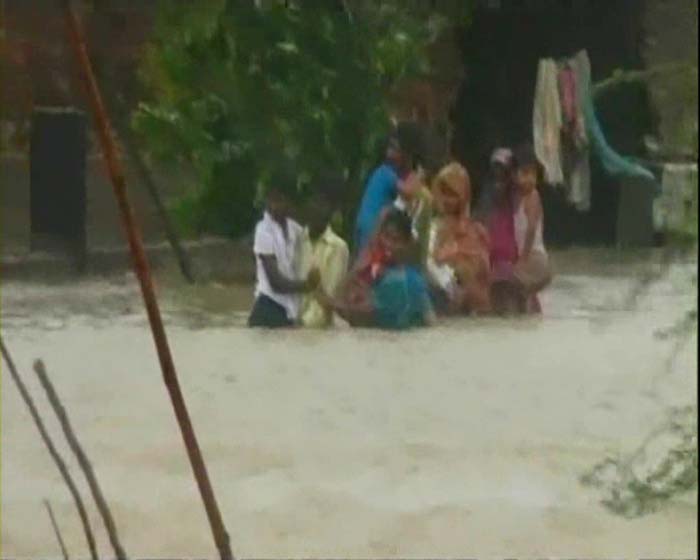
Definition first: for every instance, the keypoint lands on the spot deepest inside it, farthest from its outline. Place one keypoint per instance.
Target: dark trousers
(269, 314)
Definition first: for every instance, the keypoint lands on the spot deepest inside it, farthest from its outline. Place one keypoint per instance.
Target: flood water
(465, 440)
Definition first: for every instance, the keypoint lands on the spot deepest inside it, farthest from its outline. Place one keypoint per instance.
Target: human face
(411, 185)
(277, 205)
(395, 243)
(394, 155)
(450, 201)
(318, 219)
(526, 179)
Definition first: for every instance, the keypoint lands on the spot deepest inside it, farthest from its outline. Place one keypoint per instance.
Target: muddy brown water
(463, 440)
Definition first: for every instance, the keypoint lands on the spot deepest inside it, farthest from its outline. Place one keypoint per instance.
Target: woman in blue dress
(403, 155)
(385, 290)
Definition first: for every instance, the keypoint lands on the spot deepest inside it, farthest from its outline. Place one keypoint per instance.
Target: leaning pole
(142, 270)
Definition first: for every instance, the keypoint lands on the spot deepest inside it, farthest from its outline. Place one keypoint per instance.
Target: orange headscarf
(453, 178)
(460, 242)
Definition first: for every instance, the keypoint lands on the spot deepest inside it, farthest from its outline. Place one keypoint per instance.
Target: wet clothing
(329, 254)
(400, 298)
(395, 296)
(271, 239)
(533, 273)
(369, 267)
(547, 121)
(569, 97)
(574, 83)
(613, 163)
(491, 187)
(509, 278)
(442, 276)
(420, 212)
(566, 130)
(520, 225)
(380, 192)
(269, 314)
(458, 259)
(463, 246)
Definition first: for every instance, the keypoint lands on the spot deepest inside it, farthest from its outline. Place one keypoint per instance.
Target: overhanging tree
(239, 86)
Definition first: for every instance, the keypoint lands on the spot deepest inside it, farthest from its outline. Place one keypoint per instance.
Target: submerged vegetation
(662, 468)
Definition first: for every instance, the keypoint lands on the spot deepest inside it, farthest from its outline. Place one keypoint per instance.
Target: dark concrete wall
(103, 225)
(671, 28)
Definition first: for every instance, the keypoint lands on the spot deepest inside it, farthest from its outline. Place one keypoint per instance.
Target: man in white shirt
(279, 286)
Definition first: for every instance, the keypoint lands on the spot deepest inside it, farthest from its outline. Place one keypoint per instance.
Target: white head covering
(503, 156)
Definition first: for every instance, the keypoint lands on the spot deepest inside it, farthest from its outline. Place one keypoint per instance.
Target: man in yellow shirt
(321, 248)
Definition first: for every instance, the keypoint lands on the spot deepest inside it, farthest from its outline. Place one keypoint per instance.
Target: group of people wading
(420, 248)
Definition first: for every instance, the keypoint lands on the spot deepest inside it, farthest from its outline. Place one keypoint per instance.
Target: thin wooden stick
(143, 273)
(121, 120)
(150, 184)
(57, 459)
(83, 461)
(57, 531)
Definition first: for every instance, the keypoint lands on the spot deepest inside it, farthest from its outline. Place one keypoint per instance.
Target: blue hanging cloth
(613, 163)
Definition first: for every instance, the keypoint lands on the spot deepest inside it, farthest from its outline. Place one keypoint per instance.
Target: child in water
(278, 287)
(325, 251)
(384, 290)
(532, 271)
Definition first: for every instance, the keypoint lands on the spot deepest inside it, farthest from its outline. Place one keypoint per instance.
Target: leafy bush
(237, 89)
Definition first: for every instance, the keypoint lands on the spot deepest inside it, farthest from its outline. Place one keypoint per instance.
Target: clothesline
(567, 131)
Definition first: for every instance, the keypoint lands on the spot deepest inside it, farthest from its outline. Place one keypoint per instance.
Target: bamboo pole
(57, 531)
(83, 460)
(57, 459)
(122, 128)
(142, 270)
(120, 113)
(150, 184)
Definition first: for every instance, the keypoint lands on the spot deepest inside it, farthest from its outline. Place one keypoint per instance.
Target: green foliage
(238, 89)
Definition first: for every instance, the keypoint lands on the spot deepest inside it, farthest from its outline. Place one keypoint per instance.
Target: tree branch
(57, 459)
(622, 77)
(82, 459)
(57, 531)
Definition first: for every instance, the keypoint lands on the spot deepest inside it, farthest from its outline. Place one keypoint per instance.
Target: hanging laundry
(577, 174)
(613, 163)
(569, 97)
(566, 129)
(547, 121)
(574, 82)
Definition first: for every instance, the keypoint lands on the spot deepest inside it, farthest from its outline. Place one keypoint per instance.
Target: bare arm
(410, 187)
(360, 314)
(356, 317)
(281, 283)
(533, 212)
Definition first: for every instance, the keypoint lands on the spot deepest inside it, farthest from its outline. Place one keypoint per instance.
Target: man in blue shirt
(403, 154)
